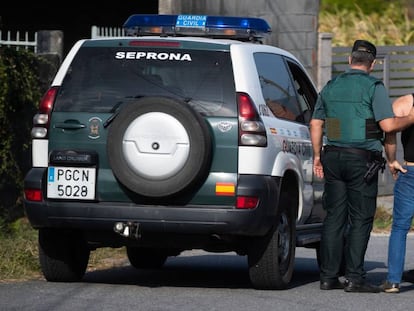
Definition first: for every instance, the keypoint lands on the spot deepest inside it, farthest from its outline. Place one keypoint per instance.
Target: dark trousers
(350, 204)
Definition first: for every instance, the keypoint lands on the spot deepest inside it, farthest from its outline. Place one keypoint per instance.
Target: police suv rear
(188, 133)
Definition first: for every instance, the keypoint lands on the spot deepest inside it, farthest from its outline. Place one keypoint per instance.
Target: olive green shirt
(381, 108)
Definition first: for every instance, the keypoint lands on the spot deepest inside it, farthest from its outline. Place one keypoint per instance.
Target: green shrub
(367, 6)
(390, 25)
(19, 97)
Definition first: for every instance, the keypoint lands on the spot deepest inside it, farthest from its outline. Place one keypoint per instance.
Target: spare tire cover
(159, 146)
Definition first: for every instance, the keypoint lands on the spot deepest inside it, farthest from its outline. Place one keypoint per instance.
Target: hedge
(20, 92)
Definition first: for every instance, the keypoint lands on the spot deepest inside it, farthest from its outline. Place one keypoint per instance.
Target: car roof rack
(223, 27)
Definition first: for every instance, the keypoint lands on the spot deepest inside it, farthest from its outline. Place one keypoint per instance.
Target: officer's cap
(365, 46)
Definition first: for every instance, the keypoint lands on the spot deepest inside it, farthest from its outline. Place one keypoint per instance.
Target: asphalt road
(203, 281)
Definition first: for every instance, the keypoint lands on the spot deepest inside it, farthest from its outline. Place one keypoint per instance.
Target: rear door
(106, 76)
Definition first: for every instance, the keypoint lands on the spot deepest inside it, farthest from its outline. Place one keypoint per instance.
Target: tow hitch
(128, 229)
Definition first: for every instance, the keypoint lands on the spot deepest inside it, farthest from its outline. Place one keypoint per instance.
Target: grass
(382, 220)
(19, 253)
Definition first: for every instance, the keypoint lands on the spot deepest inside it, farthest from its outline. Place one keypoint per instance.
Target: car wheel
(271, 259)
(63, 257)
(146, 258)
(159, 146)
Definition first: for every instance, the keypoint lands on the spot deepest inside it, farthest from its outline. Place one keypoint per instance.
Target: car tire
(146, 258)
(159, 146)
(271, 258)
(63, 256)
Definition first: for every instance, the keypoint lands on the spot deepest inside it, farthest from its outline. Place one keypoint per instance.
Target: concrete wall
(324, 70)
(294, 23)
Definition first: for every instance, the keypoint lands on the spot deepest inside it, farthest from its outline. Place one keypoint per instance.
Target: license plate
(77, 183)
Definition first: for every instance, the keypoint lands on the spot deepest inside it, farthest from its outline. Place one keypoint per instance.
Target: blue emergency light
(240, 28)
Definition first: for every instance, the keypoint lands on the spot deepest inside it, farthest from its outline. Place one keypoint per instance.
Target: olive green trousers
(350, 205)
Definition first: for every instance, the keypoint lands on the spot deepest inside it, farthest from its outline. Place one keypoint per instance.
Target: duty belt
(367, 154)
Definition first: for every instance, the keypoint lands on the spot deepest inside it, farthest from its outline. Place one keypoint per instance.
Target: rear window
(102, 79)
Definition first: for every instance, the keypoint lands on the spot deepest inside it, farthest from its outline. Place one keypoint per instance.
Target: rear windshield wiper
(115, 110)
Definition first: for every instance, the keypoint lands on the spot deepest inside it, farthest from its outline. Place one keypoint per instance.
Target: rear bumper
(186, 219)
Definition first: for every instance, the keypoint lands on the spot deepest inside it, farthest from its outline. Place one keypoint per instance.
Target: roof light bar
(241, 28)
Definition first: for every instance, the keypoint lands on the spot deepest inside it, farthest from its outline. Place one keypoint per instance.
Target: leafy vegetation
(381, 22)
(366, 6)
(19, 96)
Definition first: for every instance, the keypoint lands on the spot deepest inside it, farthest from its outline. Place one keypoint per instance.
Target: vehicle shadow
(209, 271)
(212, 271)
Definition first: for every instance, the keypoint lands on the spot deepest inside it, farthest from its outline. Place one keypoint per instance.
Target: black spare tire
(159, 146)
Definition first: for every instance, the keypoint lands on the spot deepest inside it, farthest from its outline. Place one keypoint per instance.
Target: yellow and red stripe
(225, 189)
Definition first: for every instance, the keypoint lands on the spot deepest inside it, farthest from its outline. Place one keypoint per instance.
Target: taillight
(42, 118)
(252, 131)
(246, 202)
(33, 195)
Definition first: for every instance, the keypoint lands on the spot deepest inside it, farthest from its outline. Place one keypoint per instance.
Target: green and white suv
(188, 133)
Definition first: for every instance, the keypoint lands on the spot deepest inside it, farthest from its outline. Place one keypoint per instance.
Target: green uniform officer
(353, 110)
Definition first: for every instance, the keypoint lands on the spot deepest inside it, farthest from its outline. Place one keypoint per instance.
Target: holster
(377, 163)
